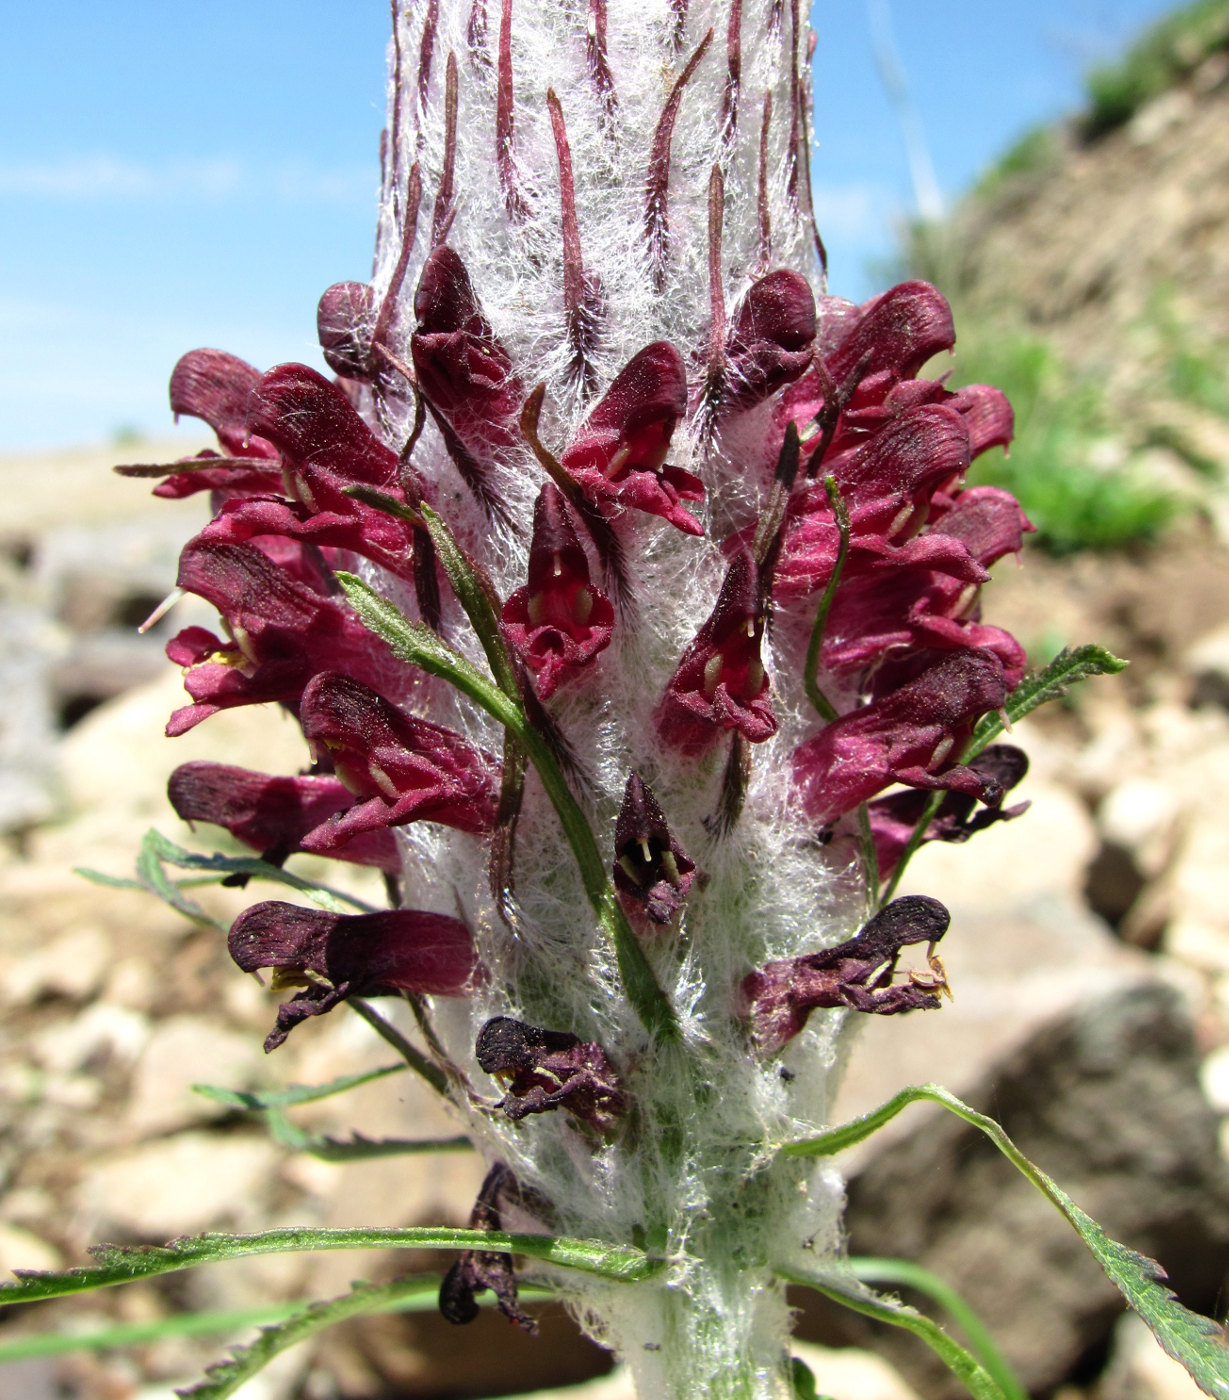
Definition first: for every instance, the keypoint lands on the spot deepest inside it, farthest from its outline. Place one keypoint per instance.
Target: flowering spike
(910, 735)
(273, 814)
(444, 209)
(335, 956)
(596, 60)
(657, 192)
(779, 998)
(479, 1269)
(514, 201)
(734, 70)
(583, 303)
(545, 1069)
(619, 455)
(720, 682)
(406, 768)
(652, 872)
(560, 622)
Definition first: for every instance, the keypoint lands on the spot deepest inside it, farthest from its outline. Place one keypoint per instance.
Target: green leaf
(325, 897)
(1196, 1342)
(803, 1380)
(415, 644)
(112, 882)
(153, 878)
(356, 1148)
(844, 1289)
(295, 1093)
(125, 1263)
(217, 1323)
(1052, 682)
(904, 1273)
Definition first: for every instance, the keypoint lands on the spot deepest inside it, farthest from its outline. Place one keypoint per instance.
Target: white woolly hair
(769, 889)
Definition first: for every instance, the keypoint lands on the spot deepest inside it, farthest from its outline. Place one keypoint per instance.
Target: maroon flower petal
(720, 682)
(545, 1069)
(335, 956)
(214, 386)
(988, 521)
(619, 455)
(778, 999)
(652, 872)
(988, 415)
(479, 1269)
(560, 622)
(899, 330)
(769, 342)
(345, 320)
(408, 768)
(908, 736)
(273, 814)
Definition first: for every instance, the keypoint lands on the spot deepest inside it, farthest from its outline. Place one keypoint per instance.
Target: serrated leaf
(1195, 1342)
(843, 1288)
(294, 1093)
(118, 1264)
(1052, 682)
(356, 1148)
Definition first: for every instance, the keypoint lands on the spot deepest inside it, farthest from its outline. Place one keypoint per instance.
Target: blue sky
(184, 175)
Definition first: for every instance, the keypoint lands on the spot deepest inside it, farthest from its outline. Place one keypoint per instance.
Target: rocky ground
(1089, 954)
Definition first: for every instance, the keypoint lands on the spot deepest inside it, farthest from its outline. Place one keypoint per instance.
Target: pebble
(71, 966)
(182, 1051)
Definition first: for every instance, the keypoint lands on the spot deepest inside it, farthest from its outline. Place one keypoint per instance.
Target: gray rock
(1107, 1102)
(1207, 664)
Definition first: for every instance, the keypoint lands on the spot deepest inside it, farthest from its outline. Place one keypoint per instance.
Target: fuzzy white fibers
(694, 1173)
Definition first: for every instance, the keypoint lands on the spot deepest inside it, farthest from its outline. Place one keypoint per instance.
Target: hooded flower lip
(778, 999)
(479, 1269)
(769, 342)
(619, 454)
(283, 632)
(720, 683)
(908, 735)
(335, 956)
(900, 330)
(406, 768)
(893, 818)
(273, 814)
(345, 320)
(544, 1069)
(463, 371)
(560, 621)
(988, 521)
(651, 870)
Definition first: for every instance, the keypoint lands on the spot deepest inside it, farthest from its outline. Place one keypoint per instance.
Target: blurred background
(181, 176)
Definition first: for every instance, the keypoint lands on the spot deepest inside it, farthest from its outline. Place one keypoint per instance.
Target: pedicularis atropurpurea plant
(614, 580)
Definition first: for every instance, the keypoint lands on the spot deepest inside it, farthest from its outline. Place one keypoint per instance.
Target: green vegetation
(1075, 480)
(1163, 56)
(1033, 151)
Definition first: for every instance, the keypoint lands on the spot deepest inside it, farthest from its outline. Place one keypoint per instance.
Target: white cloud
(110, 177)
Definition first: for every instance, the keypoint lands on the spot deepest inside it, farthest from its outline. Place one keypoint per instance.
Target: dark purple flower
(273, 814)
(406, 768)
(560, 622)
(652, 872)
(768, 344)
(479, 1269)
(619, 454)
(908, 735)
(335, 956)
(720, 683)
(345, 321)
(858, 973)
(283, 632)
(543, 1070)
(893, 818)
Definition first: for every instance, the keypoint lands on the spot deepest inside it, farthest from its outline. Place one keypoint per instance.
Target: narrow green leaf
(415, 644)
(844, 1289)
(112, 882)
(324, 896)
(1196, 1342)
(294, 1093)
(906, 1274)
(152, 876)
(123, 1263)
(219, 1323)
(356, 1148)
(1052, 682)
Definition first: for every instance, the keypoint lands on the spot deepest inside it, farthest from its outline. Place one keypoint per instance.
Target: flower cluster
(705, 528)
